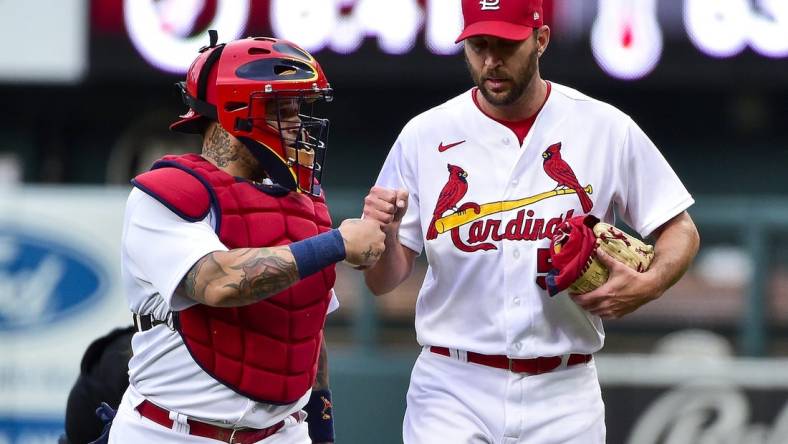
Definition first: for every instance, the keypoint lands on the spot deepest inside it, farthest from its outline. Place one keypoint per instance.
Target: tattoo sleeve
(239, 277)
(321, 382)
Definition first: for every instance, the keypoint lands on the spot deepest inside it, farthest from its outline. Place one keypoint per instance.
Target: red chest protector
(267, 351)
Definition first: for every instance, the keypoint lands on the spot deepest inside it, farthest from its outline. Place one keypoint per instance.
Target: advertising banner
(694, 399)
(59, 290)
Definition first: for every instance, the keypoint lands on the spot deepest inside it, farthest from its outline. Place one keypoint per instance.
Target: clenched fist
(364, 241)
(386, 206)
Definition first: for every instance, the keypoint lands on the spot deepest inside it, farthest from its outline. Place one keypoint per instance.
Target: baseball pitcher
(509, 190)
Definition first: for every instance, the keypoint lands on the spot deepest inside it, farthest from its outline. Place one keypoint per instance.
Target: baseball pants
(132, 428)
(456, 402)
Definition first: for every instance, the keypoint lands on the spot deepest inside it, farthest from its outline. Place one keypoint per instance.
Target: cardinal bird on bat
(561, 172)
(451, 193)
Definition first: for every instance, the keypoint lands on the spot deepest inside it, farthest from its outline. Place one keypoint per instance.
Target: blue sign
(30, 431)
(44, 280)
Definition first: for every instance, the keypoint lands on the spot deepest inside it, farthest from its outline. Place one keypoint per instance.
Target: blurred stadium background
(87, 93)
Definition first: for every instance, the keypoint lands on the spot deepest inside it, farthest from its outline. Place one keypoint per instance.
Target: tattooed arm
(239, 277)
(244, 276)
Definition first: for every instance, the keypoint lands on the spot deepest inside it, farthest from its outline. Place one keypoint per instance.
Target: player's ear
(542, 35)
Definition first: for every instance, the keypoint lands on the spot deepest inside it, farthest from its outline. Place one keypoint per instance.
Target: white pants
(132, 428)
(455, 402)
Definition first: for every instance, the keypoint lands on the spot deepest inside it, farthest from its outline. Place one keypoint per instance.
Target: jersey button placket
(510, 255)
(510, 266)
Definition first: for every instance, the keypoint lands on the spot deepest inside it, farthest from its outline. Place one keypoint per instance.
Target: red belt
(533, 366)
(246, 436)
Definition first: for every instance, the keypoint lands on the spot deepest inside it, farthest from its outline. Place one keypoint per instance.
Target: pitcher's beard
(519, 83)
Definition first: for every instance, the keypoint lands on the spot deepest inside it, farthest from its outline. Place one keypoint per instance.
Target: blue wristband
(320, 416)
(318, 252)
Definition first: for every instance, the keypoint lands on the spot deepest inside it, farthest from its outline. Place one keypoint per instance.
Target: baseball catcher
(228, 259)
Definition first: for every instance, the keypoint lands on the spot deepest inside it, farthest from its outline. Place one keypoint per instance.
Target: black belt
(147, 321)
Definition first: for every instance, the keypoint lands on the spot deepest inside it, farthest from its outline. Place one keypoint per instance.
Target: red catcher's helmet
(259, 89)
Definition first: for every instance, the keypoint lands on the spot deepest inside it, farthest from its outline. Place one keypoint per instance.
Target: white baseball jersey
(484, 288)
(158, 249)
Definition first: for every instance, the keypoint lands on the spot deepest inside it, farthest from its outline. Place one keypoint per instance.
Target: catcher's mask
(263, 91)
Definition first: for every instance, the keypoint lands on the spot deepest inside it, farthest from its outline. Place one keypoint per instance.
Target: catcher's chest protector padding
(267, 351)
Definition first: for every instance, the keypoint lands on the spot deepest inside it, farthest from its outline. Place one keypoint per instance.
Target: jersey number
(543, 265)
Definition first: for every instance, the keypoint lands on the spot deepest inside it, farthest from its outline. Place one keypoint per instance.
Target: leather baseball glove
(575, 266)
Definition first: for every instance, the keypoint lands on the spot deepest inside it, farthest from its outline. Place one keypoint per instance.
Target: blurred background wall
(87, 92)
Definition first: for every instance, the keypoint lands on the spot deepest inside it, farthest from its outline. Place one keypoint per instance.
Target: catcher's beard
(520, 82)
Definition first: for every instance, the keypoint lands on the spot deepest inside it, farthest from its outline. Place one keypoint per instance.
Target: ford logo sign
(43, 280)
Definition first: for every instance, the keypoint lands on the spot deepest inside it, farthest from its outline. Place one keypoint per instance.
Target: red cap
(190, 123)
(506, 19)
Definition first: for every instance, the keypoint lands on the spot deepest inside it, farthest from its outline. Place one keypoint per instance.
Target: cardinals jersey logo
(561, 172)
(449, 215)
(452, 192)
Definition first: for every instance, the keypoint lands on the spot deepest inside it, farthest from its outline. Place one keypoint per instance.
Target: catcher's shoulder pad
(183, 193)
